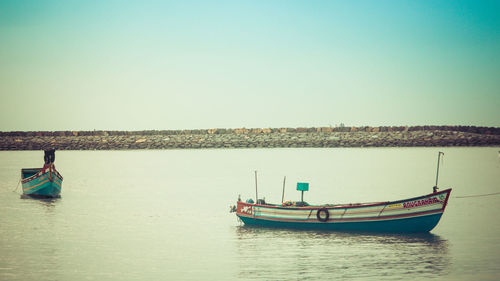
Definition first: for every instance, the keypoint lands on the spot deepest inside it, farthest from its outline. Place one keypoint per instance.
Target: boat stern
(244, 209)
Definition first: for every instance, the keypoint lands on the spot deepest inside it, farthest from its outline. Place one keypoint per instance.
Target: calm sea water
(164, 215)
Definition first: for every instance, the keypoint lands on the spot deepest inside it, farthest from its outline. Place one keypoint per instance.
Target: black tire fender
(320, 218)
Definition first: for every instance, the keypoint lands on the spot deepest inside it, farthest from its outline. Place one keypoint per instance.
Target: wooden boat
(418, 214)
(42, 182)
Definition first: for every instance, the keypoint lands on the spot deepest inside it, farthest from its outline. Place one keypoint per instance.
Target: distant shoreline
(416, 136)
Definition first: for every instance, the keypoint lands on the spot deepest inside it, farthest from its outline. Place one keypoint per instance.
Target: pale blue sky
(133, 65)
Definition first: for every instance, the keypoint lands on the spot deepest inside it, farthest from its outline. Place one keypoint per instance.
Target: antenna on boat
(256, 194)
(283, 193)
(435, 188)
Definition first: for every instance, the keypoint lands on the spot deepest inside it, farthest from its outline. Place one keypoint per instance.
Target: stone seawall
(253, 138)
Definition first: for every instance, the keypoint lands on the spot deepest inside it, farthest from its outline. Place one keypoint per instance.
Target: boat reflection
(48, 202)
(283, 254)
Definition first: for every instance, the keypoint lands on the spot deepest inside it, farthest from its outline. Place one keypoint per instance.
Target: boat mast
(283, 193)
(437, 172)
(256, 195)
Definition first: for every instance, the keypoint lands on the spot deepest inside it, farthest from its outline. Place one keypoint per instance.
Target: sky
(159, 65)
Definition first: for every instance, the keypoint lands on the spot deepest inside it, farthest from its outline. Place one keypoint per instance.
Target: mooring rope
(478, 195)
(15, 190)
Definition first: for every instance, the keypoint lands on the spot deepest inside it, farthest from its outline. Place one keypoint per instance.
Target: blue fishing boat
(417, 214)
(42, 182)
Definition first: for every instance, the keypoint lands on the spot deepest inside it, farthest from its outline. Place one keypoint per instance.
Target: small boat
(43, 182)
(418, 214)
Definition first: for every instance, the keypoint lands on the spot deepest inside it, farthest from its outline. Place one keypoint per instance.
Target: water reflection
(282, 254)
(44, 199)
(47, 203)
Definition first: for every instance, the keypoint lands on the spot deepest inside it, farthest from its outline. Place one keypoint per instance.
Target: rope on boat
(15, 190)
(478, 195)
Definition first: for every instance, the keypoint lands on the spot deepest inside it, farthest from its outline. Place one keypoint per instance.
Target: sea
(164, 215)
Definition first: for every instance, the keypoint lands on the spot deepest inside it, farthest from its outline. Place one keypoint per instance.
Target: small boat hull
(417, 224)
(419, 214)
(39, 182)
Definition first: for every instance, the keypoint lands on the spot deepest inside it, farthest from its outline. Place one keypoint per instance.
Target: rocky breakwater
(253, 138)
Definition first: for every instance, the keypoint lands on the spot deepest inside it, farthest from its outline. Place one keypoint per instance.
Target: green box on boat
(302, 186)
